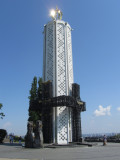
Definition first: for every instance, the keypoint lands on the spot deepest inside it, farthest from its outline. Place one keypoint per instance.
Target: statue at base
(29, 136)
(37, 141)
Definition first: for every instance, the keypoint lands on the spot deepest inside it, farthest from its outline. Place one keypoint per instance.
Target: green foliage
(33, 116)
(1, 113)
(33, 91)
(35, 96)
(3, 133)
(117, 136)
(40, 89)
(16, 139)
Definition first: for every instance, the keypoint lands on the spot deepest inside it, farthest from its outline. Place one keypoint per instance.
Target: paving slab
(99, 152)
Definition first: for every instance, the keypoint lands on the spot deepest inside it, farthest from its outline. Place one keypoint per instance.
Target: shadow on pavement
(11, 144)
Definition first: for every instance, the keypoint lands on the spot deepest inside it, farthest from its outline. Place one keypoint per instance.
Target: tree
(35, 96)
(40, 89)
(3, 133)
(1, 113)
(33, 91)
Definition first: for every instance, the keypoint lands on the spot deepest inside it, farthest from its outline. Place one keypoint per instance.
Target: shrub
(3, 133)
(16, 139)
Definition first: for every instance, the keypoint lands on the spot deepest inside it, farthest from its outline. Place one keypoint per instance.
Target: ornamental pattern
(61, 84)
(61, 61)
(62, 124)
(70, 64)
(58, 69)
(49, 53)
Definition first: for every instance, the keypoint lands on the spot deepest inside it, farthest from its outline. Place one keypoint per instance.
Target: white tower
(58, 68)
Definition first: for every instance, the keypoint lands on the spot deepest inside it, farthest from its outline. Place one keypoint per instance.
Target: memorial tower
(58, 69)
(58, 103)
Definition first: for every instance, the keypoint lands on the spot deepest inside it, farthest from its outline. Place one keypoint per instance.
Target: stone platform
(98, 152)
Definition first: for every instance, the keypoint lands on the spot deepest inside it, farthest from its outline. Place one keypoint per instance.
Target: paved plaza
(98, 152)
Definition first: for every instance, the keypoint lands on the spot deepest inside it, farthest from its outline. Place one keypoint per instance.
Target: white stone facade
(58, 68)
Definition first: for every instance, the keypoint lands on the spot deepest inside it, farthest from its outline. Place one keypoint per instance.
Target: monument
(60, 106)
(32, 141)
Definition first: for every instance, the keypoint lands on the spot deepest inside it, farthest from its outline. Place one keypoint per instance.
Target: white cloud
(7, 125)
(102, 111)
(118, 108)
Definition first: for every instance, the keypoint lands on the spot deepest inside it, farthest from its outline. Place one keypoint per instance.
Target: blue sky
(96, 57)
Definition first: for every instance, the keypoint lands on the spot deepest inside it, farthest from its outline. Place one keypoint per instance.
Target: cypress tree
(40, 89)
(33, 116)
(35, 96)
(33, 91)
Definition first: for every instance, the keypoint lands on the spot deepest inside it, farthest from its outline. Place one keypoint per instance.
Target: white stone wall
(58, 67)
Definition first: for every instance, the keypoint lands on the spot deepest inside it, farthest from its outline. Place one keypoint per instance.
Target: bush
(16, 139)
(3, 133)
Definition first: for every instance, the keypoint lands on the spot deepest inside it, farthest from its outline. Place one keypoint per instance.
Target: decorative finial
(56, 14)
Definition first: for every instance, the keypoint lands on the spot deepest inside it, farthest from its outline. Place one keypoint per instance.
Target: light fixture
(52, 13)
